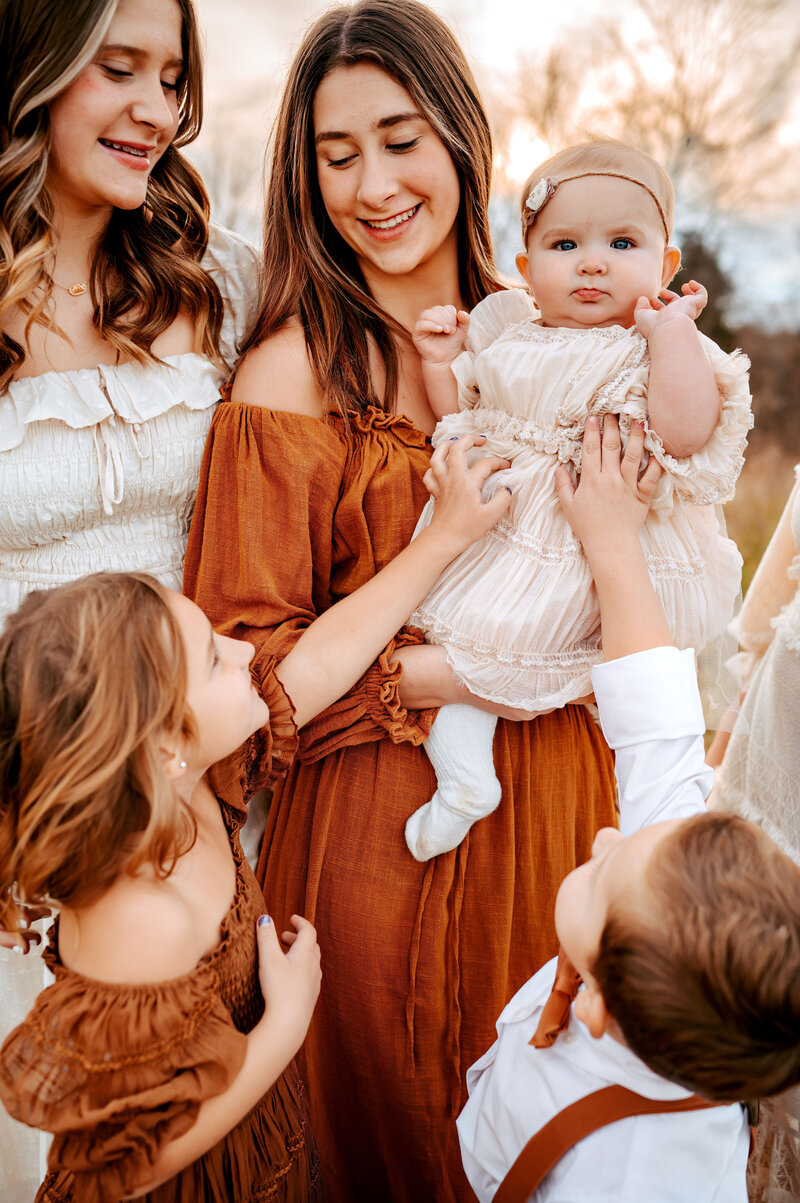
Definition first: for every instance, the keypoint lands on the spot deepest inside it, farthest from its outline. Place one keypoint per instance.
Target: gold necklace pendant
(77, 290)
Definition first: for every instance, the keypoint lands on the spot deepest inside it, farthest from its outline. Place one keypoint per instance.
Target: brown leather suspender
(547, 1146)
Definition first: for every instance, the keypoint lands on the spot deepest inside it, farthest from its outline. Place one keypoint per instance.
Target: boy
(684, 927)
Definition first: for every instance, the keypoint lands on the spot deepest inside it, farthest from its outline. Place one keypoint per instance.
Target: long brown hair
(703, 974)
(146, 267)
(310, 272)
(92, 680)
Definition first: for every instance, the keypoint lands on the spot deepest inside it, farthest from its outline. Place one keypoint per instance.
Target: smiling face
(386, 179)
(224, 703)
(112, 125)
(593, 250)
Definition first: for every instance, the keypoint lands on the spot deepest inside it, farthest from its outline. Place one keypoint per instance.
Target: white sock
(460, 749)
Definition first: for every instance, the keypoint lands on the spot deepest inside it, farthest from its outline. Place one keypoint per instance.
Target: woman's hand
(290, 980)
(460, 513)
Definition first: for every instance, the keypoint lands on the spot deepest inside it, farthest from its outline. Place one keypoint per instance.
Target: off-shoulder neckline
(373, 418)
(69, 373)
(204, 966)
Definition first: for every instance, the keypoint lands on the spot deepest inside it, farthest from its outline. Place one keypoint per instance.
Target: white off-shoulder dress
(517, 613)
(98, 472)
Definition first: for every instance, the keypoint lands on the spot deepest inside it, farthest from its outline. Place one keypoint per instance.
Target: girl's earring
(182, 764)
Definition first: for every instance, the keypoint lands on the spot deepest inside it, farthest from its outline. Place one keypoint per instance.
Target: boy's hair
(704, 978)
(605, 156)
(92, 682)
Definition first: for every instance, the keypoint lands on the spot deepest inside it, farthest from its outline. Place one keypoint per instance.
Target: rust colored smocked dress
(116, 1071)
(418, 960)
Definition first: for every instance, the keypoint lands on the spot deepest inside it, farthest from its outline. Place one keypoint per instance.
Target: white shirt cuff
(648, 695)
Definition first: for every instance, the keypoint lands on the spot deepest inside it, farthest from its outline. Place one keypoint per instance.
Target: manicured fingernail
(264, 920)
(507, 489)
(454, 439)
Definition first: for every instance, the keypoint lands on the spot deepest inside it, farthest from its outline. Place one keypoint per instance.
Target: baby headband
(546, 189)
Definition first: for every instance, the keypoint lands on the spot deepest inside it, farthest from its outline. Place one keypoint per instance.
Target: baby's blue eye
(621, 244)
(564, 244)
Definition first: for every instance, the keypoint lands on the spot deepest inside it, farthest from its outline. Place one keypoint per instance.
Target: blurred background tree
(707, 87)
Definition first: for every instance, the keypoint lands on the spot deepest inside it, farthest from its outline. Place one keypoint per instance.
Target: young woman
(311, 481)
(118, 306)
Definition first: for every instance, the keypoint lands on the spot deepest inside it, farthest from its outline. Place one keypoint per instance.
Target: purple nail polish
(508, 490)
(454, 439)
(264, 920)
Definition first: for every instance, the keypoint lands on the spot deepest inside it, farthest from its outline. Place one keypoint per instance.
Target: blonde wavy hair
(146, 267)
(92, 683)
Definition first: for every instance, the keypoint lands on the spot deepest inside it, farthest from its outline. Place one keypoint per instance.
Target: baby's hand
(651, 314)
(290, 980)
(440, 333)
(460, 512)
(611, 498)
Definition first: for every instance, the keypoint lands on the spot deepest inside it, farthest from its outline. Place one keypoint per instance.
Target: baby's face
(594, 249)
(617, 869)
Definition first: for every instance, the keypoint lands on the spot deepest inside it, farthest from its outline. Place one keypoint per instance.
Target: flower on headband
(538, 195)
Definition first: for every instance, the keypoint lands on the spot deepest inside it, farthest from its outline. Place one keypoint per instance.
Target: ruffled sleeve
(267, 755)
(278, 493)
(487, 321)
(709, 475)
(233, 264)
(117, 1072)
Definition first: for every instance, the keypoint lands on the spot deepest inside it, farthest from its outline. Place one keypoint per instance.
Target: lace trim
(533, 331)
(564, 444)
(665, 568)
(441, 634)
(534, 548)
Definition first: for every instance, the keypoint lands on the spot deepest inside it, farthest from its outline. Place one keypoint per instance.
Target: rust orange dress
(418, 960)
(117, 1071)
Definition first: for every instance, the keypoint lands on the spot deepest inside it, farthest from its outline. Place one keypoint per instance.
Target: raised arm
(606, 512)
(682, 397)
(335, 650)
(646, 689)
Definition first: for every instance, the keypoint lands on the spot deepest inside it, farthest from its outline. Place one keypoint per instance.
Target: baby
(683, 928)
(517, 614)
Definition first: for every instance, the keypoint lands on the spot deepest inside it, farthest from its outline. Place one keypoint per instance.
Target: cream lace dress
(760, 779)
(98, 471)
(517, 612)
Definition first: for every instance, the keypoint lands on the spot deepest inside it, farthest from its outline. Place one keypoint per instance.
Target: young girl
(517, 615)
(159, 1057)
(683, 930)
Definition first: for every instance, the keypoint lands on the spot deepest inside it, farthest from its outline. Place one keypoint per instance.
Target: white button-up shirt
(652, 717)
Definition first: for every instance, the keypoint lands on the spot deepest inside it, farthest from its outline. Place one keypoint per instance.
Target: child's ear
(590, 1008)
(174, 763)
(522, 267)
(672, 261)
